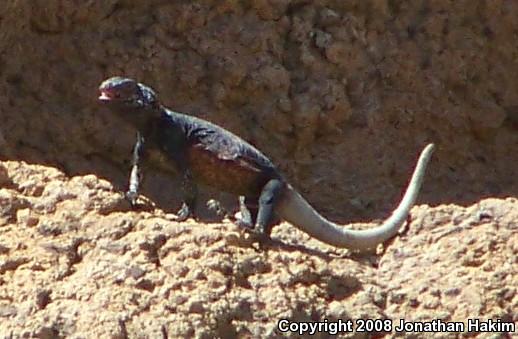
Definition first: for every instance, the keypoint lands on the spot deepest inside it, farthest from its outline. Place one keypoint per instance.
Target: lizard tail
(294, 209)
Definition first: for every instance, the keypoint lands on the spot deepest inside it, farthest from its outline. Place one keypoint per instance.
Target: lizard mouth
(105, 95)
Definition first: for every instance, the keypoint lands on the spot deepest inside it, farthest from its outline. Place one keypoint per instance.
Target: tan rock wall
(340, 94)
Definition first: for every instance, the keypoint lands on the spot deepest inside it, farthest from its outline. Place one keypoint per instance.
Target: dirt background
(342, 95)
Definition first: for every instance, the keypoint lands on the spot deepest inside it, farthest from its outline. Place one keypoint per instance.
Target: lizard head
(126, 93)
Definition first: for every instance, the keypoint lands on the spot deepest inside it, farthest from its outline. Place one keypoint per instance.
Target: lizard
(203, 152)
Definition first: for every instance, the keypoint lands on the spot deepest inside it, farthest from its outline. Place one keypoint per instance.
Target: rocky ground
(75, 262)
(342, 95)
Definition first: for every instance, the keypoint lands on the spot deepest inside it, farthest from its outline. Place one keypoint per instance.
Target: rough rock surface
(76, 263)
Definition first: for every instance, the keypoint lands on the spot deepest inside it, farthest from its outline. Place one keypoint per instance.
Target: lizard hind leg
(190, 193)
(266, 218)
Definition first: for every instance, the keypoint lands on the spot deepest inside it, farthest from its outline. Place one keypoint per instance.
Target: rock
(192, 279)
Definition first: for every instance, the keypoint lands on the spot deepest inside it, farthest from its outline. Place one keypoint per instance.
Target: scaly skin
(207, 153)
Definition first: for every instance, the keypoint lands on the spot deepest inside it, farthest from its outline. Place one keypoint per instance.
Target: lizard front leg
(190, 193)
(135, 175)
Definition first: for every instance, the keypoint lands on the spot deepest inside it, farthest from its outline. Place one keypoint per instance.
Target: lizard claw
(216, 207)
(255, 235)
(257, 232)
(243, 224)
(132, 197)
(183, 213)
(240, 222)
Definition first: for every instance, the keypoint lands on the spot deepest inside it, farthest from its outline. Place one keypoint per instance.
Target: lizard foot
(215, 206)
(138, 202)
(244, 225)
(260, 234)
(241, 222)
(257, 233)
(183, 213)
(262, 239)
(132, 197)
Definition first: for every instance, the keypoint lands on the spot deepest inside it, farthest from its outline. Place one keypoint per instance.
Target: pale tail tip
(429, 148)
